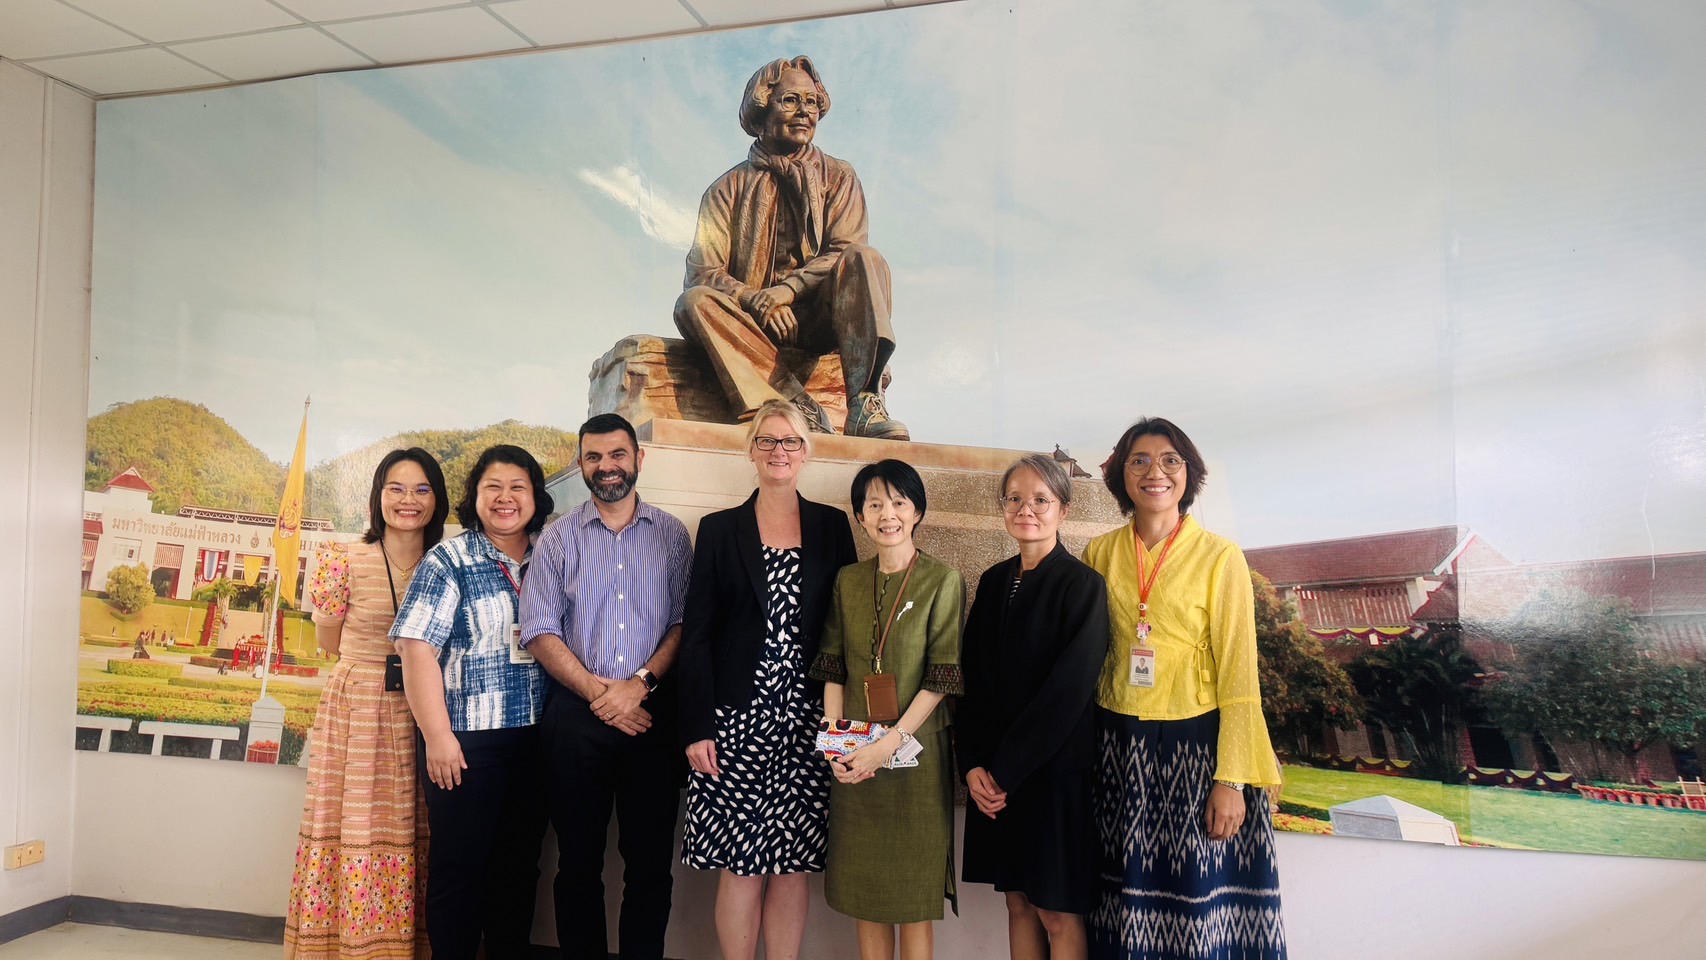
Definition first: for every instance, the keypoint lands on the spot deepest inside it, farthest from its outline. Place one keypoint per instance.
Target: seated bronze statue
(780, 260)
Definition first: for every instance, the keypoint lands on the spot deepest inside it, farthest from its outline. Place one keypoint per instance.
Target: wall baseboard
(40, 916)
(224, 924)
(195, 921)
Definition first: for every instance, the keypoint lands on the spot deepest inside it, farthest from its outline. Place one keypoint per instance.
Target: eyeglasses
(1038, 505)
(1171, 463)
(790, 444)
(794, 102)
(397, 490)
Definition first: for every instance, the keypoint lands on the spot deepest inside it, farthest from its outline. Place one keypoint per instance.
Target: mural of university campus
(1418, 685)
(1447, 386)
(174, 643)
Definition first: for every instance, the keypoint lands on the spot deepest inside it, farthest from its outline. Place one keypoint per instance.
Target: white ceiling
(116, 47)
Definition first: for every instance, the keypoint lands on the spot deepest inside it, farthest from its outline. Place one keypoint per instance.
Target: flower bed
(1643, 798)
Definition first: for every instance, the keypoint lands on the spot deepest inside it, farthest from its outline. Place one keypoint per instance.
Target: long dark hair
(515, 457)
(434, 531)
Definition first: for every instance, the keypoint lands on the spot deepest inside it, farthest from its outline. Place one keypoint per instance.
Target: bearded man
(780, 259)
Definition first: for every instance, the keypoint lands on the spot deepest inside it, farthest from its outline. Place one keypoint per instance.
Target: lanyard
(1146, 584)
(877, 651)
(504, 567)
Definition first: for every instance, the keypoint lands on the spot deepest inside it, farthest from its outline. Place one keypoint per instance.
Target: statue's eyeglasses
(768, 444)
(794, 102)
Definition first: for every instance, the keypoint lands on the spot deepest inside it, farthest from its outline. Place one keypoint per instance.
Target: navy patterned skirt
(1165, 891)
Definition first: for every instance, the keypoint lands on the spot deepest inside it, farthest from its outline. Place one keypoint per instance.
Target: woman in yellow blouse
(1187, 861)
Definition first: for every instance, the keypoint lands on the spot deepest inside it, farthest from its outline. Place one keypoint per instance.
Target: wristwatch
(648, 678)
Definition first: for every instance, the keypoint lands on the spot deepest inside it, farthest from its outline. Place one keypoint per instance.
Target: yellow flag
(252, 569)
(287, 535)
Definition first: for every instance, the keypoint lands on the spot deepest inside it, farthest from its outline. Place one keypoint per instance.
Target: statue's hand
(761, 303)
(781, 324)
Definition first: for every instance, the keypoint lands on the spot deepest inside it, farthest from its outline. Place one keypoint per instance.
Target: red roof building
(1371, 586)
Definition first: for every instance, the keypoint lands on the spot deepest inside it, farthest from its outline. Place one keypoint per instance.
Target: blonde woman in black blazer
(763, 582)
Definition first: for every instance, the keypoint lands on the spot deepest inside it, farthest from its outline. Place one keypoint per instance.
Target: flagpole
(272, 618)
(296, 468)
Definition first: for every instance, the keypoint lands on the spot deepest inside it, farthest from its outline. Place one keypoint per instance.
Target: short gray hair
(756, 100)
(1049, 469)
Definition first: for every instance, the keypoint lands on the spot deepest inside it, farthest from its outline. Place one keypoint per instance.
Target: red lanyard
(1146, 584)
(505, 568)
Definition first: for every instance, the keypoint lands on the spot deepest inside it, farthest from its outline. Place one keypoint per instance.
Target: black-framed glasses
(790, 444)
(794, 102)
(1171, 463)
(1038, 505)
(421, 490)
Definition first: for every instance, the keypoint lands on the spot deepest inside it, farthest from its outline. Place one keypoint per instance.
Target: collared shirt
(1202, 616)
(611, 595)
(462, 602)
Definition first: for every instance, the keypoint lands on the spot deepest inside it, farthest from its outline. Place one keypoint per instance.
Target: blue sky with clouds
(1392, 264)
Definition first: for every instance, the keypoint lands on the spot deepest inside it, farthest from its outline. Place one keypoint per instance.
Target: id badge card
(1142, 667)
(517, 653)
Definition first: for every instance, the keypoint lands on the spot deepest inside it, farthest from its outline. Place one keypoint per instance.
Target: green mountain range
(190, 455)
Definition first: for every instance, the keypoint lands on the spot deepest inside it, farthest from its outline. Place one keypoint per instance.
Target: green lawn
(1517, 818)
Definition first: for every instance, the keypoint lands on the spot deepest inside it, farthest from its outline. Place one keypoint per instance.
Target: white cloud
(669, 223)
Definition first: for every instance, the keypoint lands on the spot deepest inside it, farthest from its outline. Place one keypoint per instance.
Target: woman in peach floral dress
(362, 848)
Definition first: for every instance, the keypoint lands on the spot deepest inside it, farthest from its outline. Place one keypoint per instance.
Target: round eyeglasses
(1038, 505)
(793, 102)
(790, 444)
(1171, 463)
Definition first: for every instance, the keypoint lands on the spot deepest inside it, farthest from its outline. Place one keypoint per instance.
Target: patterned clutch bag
(838, 738)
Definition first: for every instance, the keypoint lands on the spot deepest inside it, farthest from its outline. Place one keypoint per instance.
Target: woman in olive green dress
(891, 831)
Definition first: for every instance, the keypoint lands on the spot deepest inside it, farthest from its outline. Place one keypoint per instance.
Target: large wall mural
(1423, 282)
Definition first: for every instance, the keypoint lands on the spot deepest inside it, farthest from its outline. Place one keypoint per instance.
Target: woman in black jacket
(763, 580)
(1033, 647)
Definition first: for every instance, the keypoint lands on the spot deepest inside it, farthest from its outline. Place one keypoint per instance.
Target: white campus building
(191, 547)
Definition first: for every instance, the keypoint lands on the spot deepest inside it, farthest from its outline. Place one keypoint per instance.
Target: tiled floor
(76, 941)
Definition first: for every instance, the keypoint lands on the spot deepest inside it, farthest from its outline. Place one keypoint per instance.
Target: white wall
(47, 136)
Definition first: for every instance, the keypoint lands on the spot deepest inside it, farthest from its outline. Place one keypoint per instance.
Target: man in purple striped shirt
(601, 611)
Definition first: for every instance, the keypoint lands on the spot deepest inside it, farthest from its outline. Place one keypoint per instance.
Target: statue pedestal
(644, 377)
(692, 469)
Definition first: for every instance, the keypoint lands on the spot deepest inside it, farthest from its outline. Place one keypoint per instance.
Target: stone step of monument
(645, 377)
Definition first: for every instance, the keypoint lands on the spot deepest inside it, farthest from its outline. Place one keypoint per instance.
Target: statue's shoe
(868, 417)
(817, 418)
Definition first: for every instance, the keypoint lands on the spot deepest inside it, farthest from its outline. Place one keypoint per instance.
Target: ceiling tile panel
(322, 10)
(550, 22)
(278, 53)
(48, 28)
(127, 71)
(166, 20)
(410, 37)
(730, 13)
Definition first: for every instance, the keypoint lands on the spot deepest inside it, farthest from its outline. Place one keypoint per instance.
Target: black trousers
(594, 769)
(483, 858)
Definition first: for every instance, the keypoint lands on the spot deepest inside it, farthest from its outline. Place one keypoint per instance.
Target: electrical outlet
(26, 854)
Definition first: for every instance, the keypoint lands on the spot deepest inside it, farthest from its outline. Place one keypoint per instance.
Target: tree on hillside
(1303, 691)
(129, 590)
(1419, 688)
(186, 452)
(339, 487)
(1581, 671)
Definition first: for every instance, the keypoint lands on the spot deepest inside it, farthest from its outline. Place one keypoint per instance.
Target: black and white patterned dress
(766, 813)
